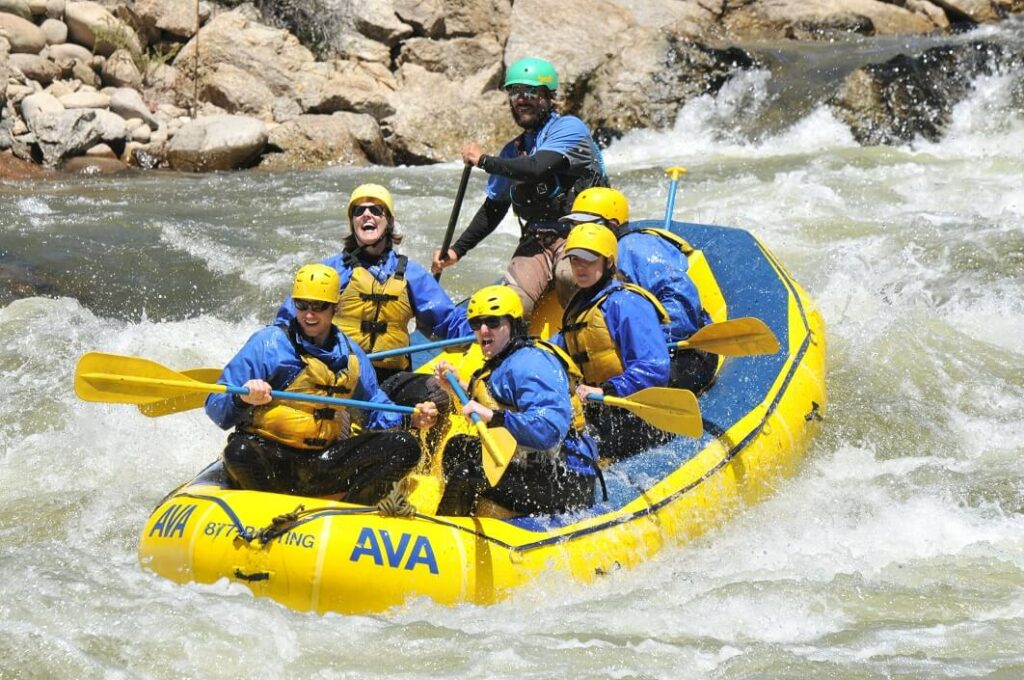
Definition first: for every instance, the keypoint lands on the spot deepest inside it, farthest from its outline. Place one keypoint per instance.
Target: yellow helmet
(599, 202)
(589, 240)
(495, 301)
(317, 282)
(373, 192)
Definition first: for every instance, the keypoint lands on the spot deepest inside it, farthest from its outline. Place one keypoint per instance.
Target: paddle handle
(454, 218)
(398, 351)
(319, 399)
(670, 207)
(481, 427)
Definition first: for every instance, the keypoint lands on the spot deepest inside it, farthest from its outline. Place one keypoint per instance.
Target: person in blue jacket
(308, 448)
(612, 330)
(382, 291)
(655, 259)
(525, 386)
(537, 174)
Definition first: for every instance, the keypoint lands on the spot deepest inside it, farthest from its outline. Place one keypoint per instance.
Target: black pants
(408, 389)
(621, 434)
(543, 487)
(366, 466)
(692, 369)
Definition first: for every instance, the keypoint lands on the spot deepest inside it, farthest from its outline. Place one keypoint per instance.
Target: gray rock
(119, 70)
(56, 31)
(35, 67)
(217, 143)
(314, 141)
(62, 135)
(128, 103)
(70, 51)
(85, 99)
(23, 36)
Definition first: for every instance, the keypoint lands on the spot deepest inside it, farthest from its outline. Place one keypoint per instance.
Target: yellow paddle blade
(667, 408)
(500, 446)
(740, 337)
(186, 401)
(117, 379)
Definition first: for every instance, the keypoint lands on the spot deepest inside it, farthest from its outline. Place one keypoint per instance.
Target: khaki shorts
(538, 262)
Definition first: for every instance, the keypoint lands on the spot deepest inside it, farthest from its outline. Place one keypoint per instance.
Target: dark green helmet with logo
(532, 71)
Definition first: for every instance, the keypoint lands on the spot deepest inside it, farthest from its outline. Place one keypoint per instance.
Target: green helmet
(532, 71)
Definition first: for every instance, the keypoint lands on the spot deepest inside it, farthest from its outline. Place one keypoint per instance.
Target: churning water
(896, 551)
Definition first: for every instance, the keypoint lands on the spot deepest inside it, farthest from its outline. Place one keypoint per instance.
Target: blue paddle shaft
(316, 398)
(453, 380)
(670, 207)
(398, 351)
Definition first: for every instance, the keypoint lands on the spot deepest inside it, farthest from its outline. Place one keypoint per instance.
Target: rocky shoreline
(196, 86)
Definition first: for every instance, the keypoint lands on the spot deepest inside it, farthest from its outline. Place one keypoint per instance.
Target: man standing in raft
(307, 448)
(612, 330)
(524, 386)
(382, 291)
(537, 174)
(655, 260)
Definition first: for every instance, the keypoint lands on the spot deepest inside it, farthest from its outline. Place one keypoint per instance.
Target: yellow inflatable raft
(318, 555)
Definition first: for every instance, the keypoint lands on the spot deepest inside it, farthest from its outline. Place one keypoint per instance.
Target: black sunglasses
(315, 305)
(491, 322)
(375, 210)
(528, 91)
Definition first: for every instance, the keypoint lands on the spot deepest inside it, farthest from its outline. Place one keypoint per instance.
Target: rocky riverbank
(197, 86)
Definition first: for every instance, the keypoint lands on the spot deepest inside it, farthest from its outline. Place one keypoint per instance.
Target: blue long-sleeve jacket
(436, 314)
(636, 330)
(658, 265)
(534, 383)
(270, 355)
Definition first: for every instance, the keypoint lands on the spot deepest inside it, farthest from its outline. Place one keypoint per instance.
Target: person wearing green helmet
(538, 174)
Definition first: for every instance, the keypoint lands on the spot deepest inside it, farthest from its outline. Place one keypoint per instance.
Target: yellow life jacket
(680, 242)
(478, 383)
(308, 425)
(590, 343)
(376, 315)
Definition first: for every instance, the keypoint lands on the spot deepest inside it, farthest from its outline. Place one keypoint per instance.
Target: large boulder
(90, 24)
(824, 19)
(223, 142)
(468, 18)
(907, 97)
(353, 86)
(270, 56)
(644, 87)
(457, 58)
(312, 141)
(567, 34)
(438, 115)
(175, 17)
(22, 35)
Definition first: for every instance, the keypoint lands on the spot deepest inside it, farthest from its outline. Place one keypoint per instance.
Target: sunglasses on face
(527, 91)
(491, 322)
(315, 305)
(375, 210)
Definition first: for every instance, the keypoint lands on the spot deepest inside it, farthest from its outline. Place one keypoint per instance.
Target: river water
(896, 551)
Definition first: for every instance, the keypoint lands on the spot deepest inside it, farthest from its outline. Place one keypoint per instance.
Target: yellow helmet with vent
(598, 203)
(317, 282)
(495, 301)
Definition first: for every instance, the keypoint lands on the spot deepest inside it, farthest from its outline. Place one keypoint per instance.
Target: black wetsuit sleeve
(486, 220)
(526, 168)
